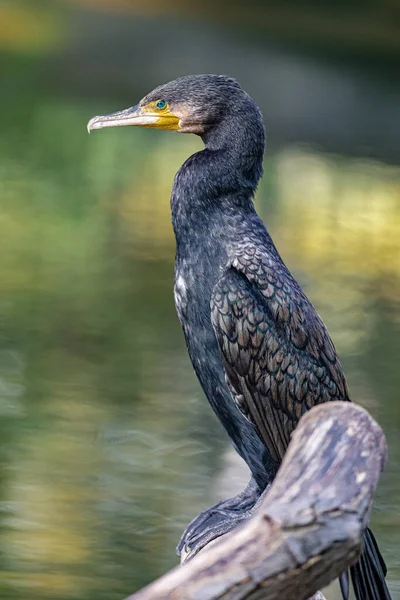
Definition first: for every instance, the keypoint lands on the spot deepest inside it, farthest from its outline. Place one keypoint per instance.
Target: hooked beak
(136, 116)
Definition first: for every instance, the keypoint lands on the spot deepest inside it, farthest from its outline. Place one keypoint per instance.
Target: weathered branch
(309, 527)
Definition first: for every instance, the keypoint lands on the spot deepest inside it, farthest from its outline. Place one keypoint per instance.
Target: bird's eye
(161, 104)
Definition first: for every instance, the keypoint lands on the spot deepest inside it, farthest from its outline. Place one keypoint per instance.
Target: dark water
(107, 446)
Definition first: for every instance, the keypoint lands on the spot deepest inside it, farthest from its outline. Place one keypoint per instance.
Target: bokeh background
(107, 445)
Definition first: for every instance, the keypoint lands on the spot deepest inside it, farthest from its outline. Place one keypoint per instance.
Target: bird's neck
(219, 181)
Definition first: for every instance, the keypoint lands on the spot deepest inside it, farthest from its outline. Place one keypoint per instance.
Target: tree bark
(309, 527)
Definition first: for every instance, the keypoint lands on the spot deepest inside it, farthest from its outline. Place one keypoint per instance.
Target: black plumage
(260, 351)
(278, 357)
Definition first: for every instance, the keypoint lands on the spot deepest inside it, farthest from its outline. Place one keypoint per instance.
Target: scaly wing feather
(278, 356)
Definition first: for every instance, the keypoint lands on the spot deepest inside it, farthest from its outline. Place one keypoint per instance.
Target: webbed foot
(219, 519)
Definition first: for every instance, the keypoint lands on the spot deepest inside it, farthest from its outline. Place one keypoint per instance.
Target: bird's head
(192, 104)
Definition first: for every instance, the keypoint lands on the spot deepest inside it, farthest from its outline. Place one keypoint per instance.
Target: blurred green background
(107, 445)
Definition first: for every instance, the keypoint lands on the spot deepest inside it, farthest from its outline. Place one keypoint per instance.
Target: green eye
(161, 104)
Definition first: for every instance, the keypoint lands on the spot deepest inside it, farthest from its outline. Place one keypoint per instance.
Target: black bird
(260, 351)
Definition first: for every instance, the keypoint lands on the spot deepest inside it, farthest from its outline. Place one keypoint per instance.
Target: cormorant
(259, 349)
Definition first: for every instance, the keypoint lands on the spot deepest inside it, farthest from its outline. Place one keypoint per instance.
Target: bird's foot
(219, 519)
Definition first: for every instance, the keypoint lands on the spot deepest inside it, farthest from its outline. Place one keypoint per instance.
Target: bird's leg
(219, 519)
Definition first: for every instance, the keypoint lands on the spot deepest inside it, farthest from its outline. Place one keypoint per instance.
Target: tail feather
(368, 574)
(344, 585)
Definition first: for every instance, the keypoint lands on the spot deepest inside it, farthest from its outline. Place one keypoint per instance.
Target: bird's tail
(368, 574)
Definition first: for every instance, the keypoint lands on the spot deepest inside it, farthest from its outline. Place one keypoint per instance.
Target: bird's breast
(199, 264)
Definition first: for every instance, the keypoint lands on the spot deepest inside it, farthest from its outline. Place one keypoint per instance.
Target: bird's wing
(278, 356)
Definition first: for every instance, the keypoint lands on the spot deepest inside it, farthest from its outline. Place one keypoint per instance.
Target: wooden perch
(309, 527)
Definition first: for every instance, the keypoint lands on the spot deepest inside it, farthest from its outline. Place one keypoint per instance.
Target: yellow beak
(135, 116)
